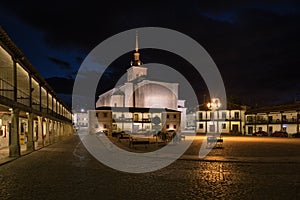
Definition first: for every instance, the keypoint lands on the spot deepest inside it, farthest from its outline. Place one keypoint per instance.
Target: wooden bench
(123, 137)
(213, 140)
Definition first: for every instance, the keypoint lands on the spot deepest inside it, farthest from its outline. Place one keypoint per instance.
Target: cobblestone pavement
(66, 170)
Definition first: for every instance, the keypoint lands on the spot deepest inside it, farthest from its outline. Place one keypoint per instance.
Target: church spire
(136, 42)
(136, 55)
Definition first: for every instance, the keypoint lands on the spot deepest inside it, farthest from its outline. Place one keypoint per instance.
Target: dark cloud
(62, 64)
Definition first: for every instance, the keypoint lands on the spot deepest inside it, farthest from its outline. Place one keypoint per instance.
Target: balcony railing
(274, 121)
(6, 89)
(23, 97)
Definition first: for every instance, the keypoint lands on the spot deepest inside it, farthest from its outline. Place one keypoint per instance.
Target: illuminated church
(143, 97)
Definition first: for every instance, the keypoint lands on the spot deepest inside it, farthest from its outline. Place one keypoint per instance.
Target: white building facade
(285, 118)
(229, 121)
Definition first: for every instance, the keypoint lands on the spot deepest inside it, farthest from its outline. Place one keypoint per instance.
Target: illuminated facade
(284, 118)
(230, 120)
(135, 120)
(138, 93)
(31, 114)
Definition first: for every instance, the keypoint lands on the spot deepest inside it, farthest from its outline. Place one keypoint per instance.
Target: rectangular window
(270, 118)
(223, 115)
(270, 129)
(104, 114)
(200, 126)
(250, 130)
(174, 126)
(167, 126)
(236, 115)
(200, 115)
(284, 118)
(104, 126)
(175, 116)
(249, 119)
(168, 116)
(223, 125)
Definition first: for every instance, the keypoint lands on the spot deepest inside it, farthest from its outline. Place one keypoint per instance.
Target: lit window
(236, 115)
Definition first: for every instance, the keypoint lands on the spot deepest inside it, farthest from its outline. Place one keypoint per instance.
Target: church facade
(139, 104)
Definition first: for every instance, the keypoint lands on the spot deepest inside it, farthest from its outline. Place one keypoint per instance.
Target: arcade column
(14, 142)
(30, 141)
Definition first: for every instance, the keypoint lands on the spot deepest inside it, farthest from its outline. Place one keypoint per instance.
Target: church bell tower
(136, 70)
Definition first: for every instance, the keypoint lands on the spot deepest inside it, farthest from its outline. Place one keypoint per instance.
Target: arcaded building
(31, 113)
(285, 118)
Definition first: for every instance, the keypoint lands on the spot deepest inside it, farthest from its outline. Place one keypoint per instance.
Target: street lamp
(214, 105)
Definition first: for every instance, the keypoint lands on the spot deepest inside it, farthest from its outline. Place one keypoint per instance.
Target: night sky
(255, 44)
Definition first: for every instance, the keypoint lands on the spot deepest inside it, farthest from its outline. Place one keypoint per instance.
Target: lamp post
(214, 105)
